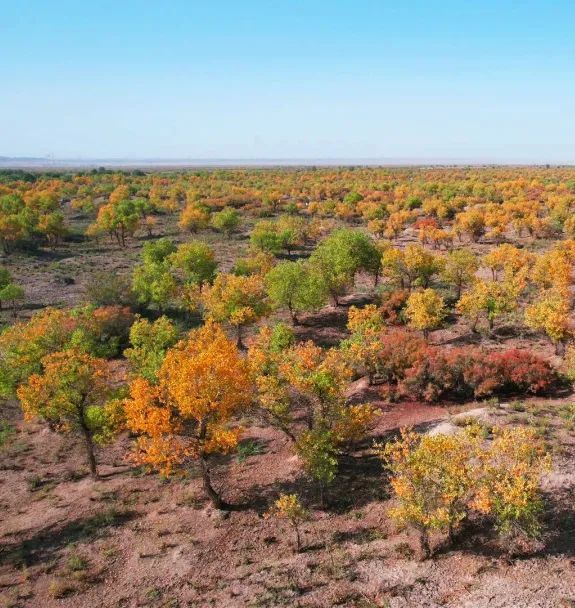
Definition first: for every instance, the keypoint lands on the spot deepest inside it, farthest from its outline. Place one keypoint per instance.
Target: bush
(109, 289)
(412, 369)
(511, 371)
(471, 372)
(438, 480)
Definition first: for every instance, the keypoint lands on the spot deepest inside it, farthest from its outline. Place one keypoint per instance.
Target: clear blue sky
(465, 79)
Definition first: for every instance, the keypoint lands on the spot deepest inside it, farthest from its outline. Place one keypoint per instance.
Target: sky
(462, 80)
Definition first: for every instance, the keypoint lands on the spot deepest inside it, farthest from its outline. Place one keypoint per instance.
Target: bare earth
(132, 539)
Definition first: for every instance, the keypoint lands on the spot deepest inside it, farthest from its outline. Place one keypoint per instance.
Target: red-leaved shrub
(510, 371)
(430, 373)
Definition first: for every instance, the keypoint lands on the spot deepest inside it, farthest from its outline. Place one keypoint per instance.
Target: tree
(459, 269)
(490, 298)
(237, 300)
(70, 395)
(317, 449)
(509, 487)
(25, 344)
(289, 507)
(553, 269)
(362, 348)
(303, 383)
(150, 342)
(551, 313)
(119, 219)
(287, 233)
(202, 384)
(425, 310)
(194, 218)
(53, 227)
(5, 278)
(227, 221)
(266, 237)
(432, 479)
(508, 259)
(420, 266)
(259, 262)
(292, 285)
(340, 256)
(196, 261)
(153, 281)
(412, 266)
(12, 294)
(471, 222)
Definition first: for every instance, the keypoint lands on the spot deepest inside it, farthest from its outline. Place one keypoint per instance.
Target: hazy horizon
(183, 163)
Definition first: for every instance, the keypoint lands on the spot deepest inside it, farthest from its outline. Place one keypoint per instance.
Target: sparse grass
(465, 421)
(248, 448)
(152, 594)
(76, 563)
(59, 589)
(6, 432)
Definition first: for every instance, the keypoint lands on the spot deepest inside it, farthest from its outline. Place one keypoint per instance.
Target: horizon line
(135, 162)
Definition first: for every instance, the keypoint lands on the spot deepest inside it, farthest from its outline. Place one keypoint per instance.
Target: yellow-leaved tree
(425, 310)
(237, 300)
(551, 313)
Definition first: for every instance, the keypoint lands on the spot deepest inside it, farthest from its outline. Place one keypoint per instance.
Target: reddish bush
(393, 305)
(467, 372)
(398, 351)
(439, 373)
(510, 371)
(426, 223)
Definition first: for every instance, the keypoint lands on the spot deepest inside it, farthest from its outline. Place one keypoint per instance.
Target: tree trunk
(424, 544)
(89, 450)
(294, 319)
(211, 493)
(297, 539)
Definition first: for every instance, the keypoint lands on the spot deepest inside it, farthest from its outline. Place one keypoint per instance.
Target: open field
(381, 312)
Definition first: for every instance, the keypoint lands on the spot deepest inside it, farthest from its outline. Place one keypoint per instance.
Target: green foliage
(105, 288)
(6, 431)
(281, 338)
(196, 261)
(150, 341)
(153, 280)
(70, 394)
(12, 294)
(227, 221)
(294, 286)
(340, 256)
(248, 448)
(318, 452)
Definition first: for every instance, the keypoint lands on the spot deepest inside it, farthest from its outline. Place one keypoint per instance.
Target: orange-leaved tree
(71, 395)
(203, 382)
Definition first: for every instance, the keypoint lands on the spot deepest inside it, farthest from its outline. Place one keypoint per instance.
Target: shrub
(288, 507)
(438, 480)
(413, 369)
(511, 371)
(393, 306)
(432, 479)
(109, 289)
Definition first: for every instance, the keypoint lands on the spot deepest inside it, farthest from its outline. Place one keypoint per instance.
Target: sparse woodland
(295, 387)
